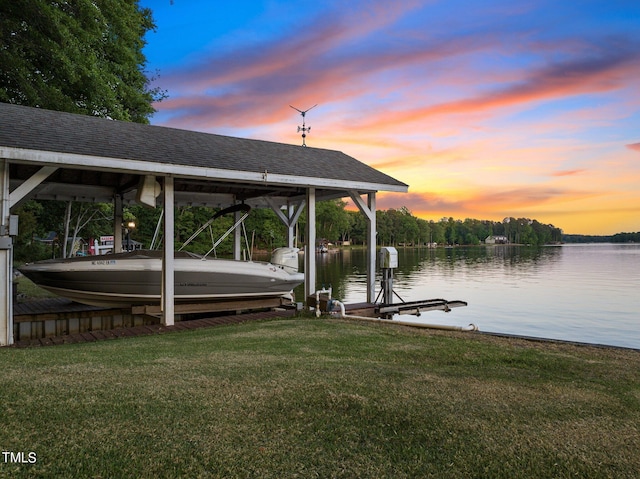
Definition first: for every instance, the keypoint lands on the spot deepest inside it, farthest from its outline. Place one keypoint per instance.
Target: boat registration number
(104, 262)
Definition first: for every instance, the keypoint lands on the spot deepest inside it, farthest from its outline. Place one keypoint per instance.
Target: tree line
(399, 227)
(616, 238)
(626, 237)
(69, 222)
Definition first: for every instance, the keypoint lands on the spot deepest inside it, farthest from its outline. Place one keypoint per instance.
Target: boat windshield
(231, 209)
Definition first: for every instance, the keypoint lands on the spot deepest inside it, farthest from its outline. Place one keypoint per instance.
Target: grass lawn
(320, 398)
(30, 290)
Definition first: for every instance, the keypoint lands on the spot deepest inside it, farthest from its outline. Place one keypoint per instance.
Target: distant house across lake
(497, 239)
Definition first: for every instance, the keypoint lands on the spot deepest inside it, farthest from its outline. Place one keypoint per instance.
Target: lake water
(584, 292)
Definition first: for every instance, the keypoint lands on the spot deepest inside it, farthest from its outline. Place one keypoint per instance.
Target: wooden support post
(117, 223)
(291, 225)
(168, 263)
(289, 220)
(310, 248)
(6, 259)
(294, 216)
(371, 248)
(237, 237)
(369, 210)
(21, 192)
(7, 201)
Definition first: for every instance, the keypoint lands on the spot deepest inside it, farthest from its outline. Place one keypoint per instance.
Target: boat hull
(127, 279)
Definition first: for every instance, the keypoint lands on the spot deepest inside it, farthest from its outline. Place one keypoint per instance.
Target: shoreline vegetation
(311, 397)
(42, 223)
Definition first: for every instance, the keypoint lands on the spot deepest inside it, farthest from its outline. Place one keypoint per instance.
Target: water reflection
(345, 270)
(574, 292)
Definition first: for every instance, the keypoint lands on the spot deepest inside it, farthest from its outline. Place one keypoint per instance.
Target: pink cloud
(307, 51)
(419, 202)
(250, 88)
(568, 172)
(634, 146)
(329, 59)
(595, 74)
(496, 203)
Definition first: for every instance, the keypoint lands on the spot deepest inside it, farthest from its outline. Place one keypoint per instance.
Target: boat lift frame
(416, 308)
(388, 260)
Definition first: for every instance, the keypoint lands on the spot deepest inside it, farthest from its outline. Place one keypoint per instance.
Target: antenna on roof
(304, 129)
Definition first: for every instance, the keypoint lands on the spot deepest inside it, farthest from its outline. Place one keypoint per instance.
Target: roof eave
(67, 160)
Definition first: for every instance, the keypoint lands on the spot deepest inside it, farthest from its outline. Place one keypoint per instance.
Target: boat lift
(384, 312)
(388, 260)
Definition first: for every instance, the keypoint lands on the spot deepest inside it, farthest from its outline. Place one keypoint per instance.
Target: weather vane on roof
(304, 128)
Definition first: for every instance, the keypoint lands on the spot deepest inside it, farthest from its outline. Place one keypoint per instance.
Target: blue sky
(486, 109)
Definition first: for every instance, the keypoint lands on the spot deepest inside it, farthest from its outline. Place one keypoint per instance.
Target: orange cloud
(573, 210)
(324, 59)
(568, 172)
(574, 77)
(498, 202)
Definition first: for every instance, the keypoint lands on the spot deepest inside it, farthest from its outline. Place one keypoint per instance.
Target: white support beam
(310, 248)
(237, 237)
(291, 226)
(6, 259)
(371, 248)
(138, 167)
(294, 216)
(290, 219)
(26, 187)
(362, 206)
(117, 223)
(276, 209)
(369, 210)
(168, 263)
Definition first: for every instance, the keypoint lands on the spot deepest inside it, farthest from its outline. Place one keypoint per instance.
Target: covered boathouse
(61, 156)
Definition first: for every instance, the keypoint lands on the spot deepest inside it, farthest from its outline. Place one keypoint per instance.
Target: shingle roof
(51, 131)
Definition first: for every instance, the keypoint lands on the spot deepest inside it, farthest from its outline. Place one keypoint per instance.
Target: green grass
(29, 290)
(321, 398)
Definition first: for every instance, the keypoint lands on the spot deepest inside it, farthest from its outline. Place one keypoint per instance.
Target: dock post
(291, 236)
(6, 259)
(237, 238)
(117, 223)
(387, 286)
(310, 247)
(372, 234)
(168, 285)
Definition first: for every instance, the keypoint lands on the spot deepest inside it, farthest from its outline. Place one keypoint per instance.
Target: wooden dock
(61, 321)
(46, 321)
(60, 317)
(149, 329)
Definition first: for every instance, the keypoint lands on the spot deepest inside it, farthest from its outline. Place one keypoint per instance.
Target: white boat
(135, 278)
(125, 279)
